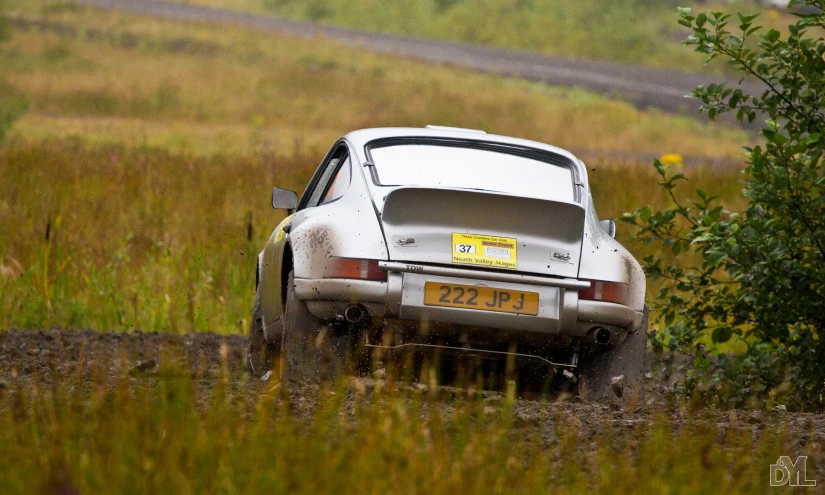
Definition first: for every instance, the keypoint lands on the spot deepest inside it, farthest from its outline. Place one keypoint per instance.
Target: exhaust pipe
(355, 313)
(600, 335)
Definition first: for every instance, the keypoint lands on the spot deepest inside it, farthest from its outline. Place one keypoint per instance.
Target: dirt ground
(31, 357)
(34, 358)
(55, 353)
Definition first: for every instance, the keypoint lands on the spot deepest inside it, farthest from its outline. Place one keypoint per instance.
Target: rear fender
(347, 227)
(604, 258)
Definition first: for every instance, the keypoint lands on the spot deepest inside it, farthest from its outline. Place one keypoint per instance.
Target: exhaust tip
(355, 313)
(603, 335)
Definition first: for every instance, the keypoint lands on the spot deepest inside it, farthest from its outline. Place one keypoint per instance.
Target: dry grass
(134, 196)
(116, 237)
(150, 149)
(107, 77)
(172, 433)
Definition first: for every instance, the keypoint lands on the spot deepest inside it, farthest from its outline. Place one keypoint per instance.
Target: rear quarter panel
(604, 258)
(347, 227)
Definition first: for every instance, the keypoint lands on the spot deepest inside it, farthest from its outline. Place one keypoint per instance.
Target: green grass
(150, 148)
(639, 32)
(172, 434)
(192, 88)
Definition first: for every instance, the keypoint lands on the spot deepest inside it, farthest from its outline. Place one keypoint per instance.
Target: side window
(339, 184)
(333, 181)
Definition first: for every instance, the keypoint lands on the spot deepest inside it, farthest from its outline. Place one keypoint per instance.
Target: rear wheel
(261, 356)
(616, 371)
(312, 350)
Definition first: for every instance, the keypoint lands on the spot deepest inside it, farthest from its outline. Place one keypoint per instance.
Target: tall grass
(126, 238)
(107, 77)
(118, 238)
(136, 188)
(172, 434)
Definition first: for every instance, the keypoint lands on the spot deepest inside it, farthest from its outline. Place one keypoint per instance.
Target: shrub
(758, 276)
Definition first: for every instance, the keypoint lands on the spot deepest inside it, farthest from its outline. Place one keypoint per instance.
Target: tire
(261, 356)
(599, 365)
(312, 351)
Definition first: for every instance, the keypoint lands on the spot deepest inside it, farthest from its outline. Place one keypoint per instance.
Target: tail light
(606, 291)
(354, 268)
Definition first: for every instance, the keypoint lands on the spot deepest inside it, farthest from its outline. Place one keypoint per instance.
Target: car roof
(361, 137)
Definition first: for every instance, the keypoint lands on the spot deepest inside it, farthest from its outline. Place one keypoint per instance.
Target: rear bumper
(557, 306)
(402, 297)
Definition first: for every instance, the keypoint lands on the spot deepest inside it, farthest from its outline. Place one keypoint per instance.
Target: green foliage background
(759, 273)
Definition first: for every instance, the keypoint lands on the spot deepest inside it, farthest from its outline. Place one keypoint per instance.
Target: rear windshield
(432, 165)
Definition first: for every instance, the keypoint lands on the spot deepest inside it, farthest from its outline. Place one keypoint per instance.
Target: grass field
(134, 195)
(140, 175)
(178, 432)
(638, 32)
(195, 89)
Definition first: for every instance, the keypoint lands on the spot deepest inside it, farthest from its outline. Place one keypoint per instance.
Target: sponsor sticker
(484, 250)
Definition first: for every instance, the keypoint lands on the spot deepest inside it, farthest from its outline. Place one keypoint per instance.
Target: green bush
(758, 279)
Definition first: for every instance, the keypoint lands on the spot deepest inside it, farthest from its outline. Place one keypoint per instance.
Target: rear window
(432, 165)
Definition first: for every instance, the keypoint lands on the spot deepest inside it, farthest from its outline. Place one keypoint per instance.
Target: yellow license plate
(481, 298)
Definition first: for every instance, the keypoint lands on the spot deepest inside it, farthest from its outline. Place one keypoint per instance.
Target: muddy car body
(478, 242)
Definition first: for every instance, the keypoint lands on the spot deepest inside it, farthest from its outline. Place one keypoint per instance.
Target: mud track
(27, 357)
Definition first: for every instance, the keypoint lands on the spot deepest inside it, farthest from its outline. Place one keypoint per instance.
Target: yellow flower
(671, 159)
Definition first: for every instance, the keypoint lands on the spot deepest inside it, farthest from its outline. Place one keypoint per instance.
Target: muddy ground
(28, 356)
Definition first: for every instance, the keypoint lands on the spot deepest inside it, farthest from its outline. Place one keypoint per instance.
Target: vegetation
(759, 277)
(639, 32)
(191, 88)
(139, 183)
(170, 433)
(4, 23)
(116, 238)
(12, 103)
(135, 196)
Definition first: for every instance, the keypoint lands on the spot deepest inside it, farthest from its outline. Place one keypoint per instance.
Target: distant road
(642, 86)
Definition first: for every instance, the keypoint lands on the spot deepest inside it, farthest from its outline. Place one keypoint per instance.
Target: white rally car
(456, 239)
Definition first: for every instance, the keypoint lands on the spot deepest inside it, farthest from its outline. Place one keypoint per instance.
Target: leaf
(703, 238)
(714, 255)
(812, 139)
(644, 214)
(721, 334)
